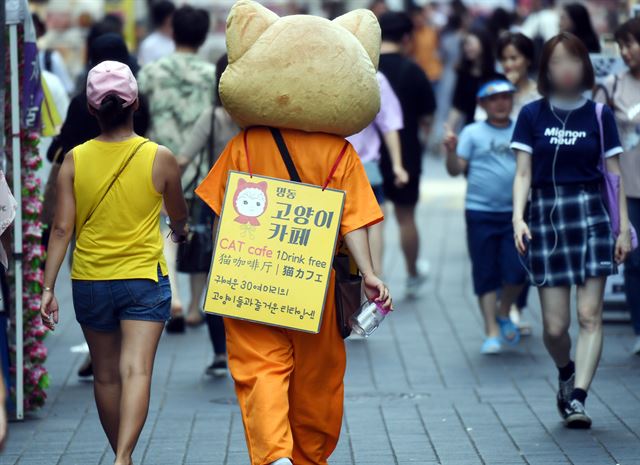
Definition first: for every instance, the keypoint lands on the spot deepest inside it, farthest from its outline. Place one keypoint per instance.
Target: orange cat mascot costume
(315, 80)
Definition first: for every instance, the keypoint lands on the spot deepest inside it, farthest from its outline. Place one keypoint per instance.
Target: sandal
(508, 331)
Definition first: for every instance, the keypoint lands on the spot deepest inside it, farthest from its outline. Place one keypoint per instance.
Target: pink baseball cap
(111, 78)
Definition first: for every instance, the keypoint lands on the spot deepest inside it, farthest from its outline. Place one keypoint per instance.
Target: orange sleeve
(211, 189)
(361, 208)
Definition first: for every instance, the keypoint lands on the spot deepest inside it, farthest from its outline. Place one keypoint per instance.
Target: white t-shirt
(544, 23)
(154, 47)
(61, 101)
(58, 67)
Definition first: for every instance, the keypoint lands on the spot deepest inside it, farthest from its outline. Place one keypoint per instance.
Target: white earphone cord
(553, 207)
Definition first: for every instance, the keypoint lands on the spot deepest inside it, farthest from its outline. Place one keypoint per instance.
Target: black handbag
(194, 254)
(348, 285)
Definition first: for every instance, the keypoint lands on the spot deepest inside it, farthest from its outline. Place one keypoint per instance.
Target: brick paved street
(418, 392)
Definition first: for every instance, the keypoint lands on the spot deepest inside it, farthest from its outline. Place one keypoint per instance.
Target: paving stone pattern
(417, 393)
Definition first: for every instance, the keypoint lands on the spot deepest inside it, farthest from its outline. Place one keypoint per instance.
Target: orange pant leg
(316, 391)
(261, 362)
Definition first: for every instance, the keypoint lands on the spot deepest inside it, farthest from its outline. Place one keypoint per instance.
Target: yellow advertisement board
(273, 251)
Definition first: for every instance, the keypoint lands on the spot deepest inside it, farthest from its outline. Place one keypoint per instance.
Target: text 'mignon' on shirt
(541, 129)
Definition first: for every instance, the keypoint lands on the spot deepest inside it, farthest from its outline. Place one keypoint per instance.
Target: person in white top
(621, 92)
(543, 22)
(50, 60)
(160, 42)
(61, 101)
(516, 54)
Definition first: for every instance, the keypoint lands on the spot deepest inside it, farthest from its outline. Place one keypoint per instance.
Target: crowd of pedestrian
(512, 103)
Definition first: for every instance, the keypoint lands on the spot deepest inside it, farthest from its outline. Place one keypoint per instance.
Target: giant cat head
(301, 72)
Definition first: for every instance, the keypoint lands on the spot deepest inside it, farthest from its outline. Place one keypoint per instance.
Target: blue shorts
(494, 258)
(100, 305)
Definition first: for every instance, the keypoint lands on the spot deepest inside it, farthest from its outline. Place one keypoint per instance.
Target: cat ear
(241, 184)
(364, 25)
(262, 186)
(246, 22)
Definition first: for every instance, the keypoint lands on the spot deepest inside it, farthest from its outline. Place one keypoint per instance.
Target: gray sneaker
(575, 416)
(565, 388)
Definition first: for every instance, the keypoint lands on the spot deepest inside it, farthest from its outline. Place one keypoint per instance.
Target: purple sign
(31, 86)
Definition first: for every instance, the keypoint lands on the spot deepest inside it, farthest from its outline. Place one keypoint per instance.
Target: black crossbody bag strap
(113, 181)
(284, 152)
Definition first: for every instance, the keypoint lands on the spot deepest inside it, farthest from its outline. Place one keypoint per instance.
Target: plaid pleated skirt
(571, 237)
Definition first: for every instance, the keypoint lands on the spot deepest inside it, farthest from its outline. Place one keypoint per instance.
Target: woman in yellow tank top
(110, 191)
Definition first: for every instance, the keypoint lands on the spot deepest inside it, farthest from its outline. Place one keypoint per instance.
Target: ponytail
(112, 113)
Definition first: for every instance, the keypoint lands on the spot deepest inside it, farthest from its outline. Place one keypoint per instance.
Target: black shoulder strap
(613, 92)
(113, 181)
(48, 62)
(286, 157)
(609, 96)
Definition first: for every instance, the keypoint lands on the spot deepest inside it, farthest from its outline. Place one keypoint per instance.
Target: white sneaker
(516, 317)
(636, 346)
(283, 461)
(424, 268)
(414, 283)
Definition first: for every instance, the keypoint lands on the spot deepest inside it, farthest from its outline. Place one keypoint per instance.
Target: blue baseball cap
(498, 86)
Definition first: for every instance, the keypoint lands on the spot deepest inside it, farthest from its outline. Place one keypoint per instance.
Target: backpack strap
(288, 161)
(286, 156)
(48, 61)
(246, 151)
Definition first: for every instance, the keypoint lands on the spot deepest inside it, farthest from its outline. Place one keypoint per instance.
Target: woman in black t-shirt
(478, 65)
(558, 145)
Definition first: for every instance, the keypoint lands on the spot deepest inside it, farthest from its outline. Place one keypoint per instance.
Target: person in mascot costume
(315, 81)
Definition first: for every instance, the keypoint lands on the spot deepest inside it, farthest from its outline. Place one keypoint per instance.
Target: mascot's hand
(377, 291)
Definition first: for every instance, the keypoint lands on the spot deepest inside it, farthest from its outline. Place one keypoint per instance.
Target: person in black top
(563, 144)
(478, 65)
(80, 126)
(575, 18)
(414, 91)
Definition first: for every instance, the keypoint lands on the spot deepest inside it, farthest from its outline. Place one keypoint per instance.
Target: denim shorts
(100, 305)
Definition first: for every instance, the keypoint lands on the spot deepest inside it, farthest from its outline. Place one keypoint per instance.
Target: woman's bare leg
(589, 344)
(556, 318)
(197, 282)
(105, 353)
(409, 237)
(488, 305)
(138, 351)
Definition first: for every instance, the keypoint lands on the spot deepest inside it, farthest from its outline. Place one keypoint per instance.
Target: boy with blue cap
(482, 153)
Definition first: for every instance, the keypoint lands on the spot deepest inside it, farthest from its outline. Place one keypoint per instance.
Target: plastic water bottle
(368, 318)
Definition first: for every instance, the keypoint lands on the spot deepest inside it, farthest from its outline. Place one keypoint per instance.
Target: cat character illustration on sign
(250, 201)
